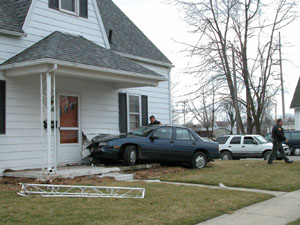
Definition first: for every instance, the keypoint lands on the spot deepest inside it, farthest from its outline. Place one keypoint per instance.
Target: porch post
(49, 130)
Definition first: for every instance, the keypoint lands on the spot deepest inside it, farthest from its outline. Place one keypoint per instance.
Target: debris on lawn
(156, 173)
(47, 190)
(222, 185)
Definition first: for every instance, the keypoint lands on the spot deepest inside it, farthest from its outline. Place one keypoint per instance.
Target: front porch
(73, 87)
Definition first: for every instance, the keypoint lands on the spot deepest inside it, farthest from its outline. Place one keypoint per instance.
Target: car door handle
(229, 146)
(243, 146)
(172, 142)
(194, 143)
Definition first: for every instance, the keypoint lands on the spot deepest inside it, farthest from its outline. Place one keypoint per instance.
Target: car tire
(199, 160)
(130, 155)
(296, 151)
(226, 155)
(267, 155)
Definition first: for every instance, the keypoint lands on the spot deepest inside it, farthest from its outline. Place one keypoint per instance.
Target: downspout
(170, 98)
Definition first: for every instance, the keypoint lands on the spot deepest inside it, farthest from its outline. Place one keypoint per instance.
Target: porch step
(74, 171)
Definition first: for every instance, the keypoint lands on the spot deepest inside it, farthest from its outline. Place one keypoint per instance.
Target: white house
(73, 66)
(296, 106)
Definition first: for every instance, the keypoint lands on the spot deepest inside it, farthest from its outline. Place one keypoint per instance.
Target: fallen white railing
(48, 190)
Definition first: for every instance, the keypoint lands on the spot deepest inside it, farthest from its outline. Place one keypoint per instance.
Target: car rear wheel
(226, 156)
(296, 151)
(130, 155)
(267, 155)
(199, 160)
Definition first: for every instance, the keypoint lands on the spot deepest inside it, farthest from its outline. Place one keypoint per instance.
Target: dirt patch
(156, 173)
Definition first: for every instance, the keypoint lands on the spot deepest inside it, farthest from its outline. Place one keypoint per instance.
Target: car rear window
(235, 141)
(222, 140)
(295, 135)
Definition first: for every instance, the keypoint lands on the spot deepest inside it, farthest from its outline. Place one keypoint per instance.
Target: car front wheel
(130, 156)
(296, 151)
(199, 160)
(226, 156)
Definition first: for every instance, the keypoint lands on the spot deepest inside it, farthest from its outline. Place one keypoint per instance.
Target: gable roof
(13, 14)
(76, 49)
(126, 36)
(296, 99)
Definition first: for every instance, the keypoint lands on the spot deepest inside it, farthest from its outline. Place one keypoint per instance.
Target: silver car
(246, 146)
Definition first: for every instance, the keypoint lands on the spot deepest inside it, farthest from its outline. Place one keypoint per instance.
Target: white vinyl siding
(297, 118)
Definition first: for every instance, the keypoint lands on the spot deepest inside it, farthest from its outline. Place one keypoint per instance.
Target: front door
(69, 129)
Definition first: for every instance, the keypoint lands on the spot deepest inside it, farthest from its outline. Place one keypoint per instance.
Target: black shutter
(2, 106)
(144, 110)
(123, 112)
(83, 8)
(53, 4)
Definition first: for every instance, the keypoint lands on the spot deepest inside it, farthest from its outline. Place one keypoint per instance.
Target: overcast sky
(162, 24)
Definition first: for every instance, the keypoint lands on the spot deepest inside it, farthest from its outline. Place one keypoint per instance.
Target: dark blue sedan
(156, 144)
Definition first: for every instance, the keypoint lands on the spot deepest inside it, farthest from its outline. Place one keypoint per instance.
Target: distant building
(296, 106)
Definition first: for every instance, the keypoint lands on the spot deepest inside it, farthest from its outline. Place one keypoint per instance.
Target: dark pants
(277, 146)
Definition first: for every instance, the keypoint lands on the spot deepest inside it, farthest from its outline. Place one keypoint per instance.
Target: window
(235, 141)
(249, 141)
(2, 106)
(75, 7)
(164, 133)
(222, 140)
(182, 134)
(134, 111)
(295, 135)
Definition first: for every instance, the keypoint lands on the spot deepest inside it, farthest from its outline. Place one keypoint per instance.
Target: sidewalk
(280, 210)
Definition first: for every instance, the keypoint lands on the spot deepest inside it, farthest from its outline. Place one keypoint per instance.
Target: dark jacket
(278, 133)
(156, 122)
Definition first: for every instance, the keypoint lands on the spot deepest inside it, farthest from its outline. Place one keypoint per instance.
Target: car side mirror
(154, 138)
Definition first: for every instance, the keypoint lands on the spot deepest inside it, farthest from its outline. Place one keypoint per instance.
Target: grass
(297, 222)
(248, 174)
(163, 204)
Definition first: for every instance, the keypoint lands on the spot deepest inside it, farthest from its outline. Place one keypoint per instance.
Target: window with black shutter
(74, 7)
(133, 111)
(2, 106)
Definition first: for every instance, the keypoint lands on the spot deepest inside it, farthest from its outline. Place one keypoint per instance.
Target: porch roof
(296, 99)
(77, 52)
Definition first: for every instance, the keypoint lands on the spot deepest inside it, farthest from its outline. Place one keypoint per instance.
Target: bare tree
(225, 24)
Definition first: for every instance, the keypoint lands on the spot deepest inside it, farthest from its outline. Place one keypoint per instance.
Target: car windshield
(142, 131)
(261, 139)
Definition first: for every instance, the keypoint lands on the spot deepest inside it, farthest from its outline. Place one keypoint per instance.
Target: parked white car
(246, 146)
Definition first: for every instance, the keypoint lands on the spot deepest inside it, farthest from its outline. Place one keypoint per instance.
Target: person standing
(153, 121)
(278, 138)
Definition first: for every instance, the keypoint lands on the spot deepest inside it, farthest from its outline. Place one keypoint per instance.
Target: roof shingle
(127, 37)
(13, 14)
(76, 49)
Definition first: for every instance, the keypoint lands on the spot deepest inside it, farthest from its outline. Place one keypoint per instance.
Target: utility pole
(281, 80)
(237, 118)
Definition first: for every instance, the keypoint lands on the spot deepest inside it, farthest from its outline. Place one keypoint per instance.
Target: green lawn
(163, 204)
(249, 174)
(297, 222)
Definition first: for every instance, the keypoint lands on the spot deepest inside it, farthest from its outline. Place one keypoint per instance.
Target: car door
(251, 148)
(185, 144)
(161, 143)
(235, 146)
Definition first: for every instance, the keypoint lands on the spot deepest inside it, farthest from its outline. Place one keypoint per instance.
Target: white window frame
(76, 13)
(128, 109)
